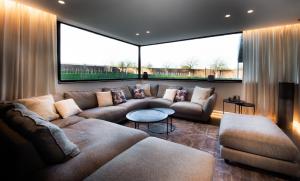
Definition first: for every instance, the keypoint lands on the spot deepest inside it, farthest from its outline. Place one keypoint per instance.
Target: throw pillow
(67, 108)
(42, 105)
(146, 88)
(170, 94)
(49, 140)
(118, 96)
(200, 95)
(181, 95)
(139, 93)
(104, 99)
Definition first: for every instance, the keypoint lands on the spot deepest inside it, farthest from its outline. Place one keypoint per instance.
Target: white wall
(223, 90)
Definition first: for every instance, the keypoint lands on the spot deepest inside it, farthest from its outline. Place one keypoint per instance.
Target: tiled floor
(205, 137)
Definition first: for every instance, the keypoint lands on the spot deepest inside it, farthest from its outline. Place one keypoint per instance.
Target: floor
(205, 137)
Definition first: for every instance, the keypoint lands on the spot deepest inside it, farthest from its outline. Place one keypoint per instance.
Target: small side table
(240, 104)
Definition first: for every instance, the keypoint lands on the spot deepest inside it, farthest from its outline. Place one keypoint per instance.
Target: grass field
(121, 75)
(96, 76)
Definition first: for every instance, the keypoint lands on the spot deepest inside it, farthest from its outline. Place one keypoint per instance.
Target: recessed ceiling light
(137, 34)
(147, 31)
(61, 2)
(227, 16)
(250, 11)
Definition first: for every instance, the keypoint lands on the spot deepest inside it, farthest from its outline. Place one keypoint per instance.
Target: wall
(223, 90)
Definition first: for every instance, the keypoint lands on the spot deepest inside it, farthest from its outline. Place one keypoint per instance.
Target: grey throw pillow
(49, 140)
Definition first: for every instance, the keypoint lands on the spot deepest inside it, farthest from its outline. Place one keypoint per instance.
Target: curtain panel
(27, 51)
(271, 55)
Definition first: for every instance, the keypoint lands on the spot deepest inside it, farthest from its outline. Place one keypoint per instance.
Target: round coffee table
(161, 128)
(146, 116)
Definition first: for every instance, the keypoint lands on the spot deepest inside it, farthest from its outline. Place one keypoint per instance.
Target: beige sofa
(87, 101)
(104, 148)
(256, 141)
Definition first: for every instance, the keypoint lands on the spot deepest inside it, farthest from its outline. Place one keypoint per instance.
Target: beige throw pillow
(200, 95)
(170, 94)
(146, 88)
(42, 105)
(104, 99)
(67, 108)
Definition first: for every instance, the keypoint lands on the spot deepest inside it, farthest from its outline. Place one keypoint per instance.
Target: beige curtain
(27, 51)
(271, 55)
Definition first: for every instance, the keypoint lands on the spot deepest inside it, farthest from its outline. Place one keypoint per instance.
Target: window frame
(60, 81)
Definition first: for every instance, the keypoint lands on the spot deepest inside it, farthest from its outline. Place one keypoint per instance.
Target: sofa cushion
(62, 123)
(67, 108)
(160, 102)
(104, 99)
(154, 89)
(200, 95)
(162, 88)
(49, 140)
(42, 105)
(160, 160)
(125, 89)
(109, 113)
(181, 95)
(170, 94)
(187, 108)
(146, 88)
(84, 99)
(134, 104)
(256, 135)
(99, 142)
(138, 93)
(118, 97)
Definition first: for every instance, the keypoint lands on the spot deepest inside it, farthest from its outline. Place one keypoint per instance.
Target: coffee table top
(167, 111)
(146, 116)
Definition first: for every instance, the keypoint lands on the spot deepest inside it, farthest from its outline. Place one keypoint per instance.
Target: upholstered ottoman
(256, 141)
(154, 159)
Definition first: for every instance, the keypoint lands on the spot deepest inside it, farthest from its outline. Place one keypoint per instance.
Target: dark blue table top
(146, 116)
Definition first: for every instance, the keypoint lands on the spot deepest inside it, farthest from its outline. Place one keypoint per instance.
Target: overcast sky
(82, 47)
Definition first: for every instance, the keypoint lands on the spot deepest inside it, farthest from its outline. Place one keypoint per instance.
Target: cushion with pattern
(139, 93)
(181, 95)
(118, 96)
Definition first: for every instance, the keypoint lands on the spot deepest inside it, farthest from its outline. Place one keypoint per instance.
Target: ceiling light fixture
(147, 31)
(227, 16)
(137, 34)
(61, 2)
(250, 11)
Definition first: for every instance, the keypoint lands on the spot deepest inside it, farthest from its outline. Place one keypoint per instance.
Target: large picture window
(89, 56)
(218, 56)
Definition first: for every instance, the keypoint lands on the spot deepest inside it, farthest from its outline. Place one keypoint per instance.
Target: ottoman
(258, 142)
(156, 159)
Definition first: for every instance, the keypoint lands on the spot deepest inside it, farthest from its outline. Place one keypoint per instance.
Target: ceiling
(170, 20)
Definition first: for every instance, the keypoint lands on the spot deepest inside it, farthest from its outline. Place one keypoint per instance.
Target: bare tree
(218, 66)
(190, 64)
(122, 65)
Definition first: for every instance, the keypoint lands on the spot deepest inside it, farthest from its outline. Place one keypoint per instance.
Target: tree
(218, 66)
(190, 64)
(166, 66)
(149, 66)
(122, 65)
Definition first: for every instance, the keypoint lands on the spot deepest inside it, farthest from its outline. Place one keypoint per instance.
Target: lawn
(96, 76)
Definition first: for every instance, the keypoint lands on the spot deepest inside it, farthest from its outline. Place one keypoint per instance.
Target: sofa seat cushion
(257, 135)
(160, 160)
(187, 108)
(134, 104)
(99, 142)
(109, 113)
(67, 121)
(160, 102)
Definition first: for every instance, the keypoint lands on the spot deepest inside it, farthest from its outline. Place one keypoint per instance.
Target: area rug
(205, 137)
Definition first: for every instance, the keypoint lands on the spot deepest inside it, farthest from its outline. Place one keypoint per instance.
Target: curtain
(271, 55)
(27, 51)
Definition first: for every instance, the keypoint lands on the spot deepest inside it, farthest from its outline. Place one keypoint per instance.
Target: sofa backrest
(84, 99)
(21, 159)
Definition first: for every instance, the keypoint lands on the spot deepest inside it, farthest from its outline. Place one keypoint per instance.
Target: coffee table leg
(135, 125)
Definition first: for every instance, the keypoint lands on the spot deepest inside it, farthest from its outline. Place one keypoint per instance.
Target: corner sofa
(87, 101)
(108, 151)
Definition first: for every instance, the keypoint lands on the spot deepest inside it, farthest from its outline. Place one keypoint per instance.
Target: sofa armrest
(208, 107)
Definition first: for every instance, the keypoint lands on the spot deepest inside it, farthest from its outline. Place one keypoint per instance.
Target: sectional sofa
(109, 151)
(87, 101)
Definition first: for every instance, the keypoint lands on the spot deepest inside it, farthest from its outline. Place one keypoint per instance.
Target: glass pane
(194, 59)
(89, 56)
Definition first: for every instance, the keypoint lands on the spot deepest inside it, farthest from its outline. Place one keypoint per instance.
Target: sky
(83, 47)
